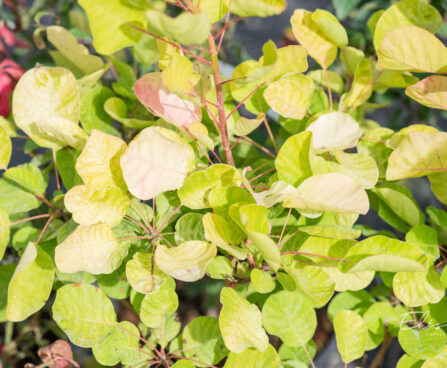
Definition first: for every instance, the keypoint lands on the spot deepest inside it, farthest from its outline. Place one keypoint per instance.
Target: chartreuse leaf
(99, 16)
(362, 85)
(157, 160)
(183, 363)
(155, 96)
(290, 96)
(412, 49)
(69, 48)
(90, 206)
(418, 288)
(6, 272)
(308, 33)
(5, 149)
(406, 13)
(251, 217)
(267, 247)
(351, 334)
(380, 253)
(187, 28)
(196, 186)
(360, 167)
(158, 306)
(31, 284)
(27, 176)
(349, 281)
(290, 316)
(46, 107)
(143, 274)
(297, 356)
(408, 362)
(334, 131)
(98, 165)
(86, 324)
(438, 361)
(214, 9)
(334, 249)
(258, 8)
(241, 323)
(4, 231)
(116, 108)
(254, 358)
(221, 198)
(262, 281)
(426, 238)
(313, 282)
(245, 126)
(221, 231)
(179, 76)
(90, 248)
(330, 27)
(189, 227)
(186, 262)
(382, 314)
(293, 160)
(328, 192)
(66, 161)
(418, 154)
(422, 343)
(431, 92)
(335, 81)
(219, 268)
(121, 346)
(397, 138)
(289, 59)
(331, 231)
(202, 341)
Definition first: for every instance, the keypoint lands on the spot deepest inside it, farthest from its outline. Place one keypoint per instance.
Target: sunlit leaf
(431, 92)
(351, 334)
(335, 81)
(254, 358)
(143, 274)
(267, 247)
(422, 343)
(5, 149)
(330, 27)
(262, 281)
(362, 85)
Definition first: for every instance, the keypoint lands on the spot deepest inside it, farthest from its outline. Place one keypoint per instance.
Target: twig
(269, 131)
(380, 356)
(284, 228)
(45, 228)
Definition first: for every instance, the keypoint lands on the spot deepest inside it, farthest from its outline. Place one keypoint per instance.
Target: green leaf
(351, 334)
(335, 81)
(214, 9)
(422, 343)
(15, 200)
(262, 281)
(30, 285)
(99, 16)
(54, 123)
(418, 288)
(202, 341)
(330, 27)
(66, 161)
(382, 314)
(292, 162)
(90, 206)
(291, 96)
(4, 231)
(426, 237)
(183, 363)
(157, 160)
(179, 75)
(220, 268)
(221, 231)
(296, 356)
(122, 345)
(245, 126)
(412, 49)
(69, 48)
(6, 272)
(438, 361)
(289, 59)
(143, 274)
(241, 323)
(344, 7)
(258, 8)
(419, 154)
(379, 253)
(146, 51)
(430, 92)
(314, 40)
(406, 13)
(86, 324)
(93, 116)
(189, 227)
(290, 316)
(437, 184)
(186, 262)
(313, 282)
(349, 281)
(408, 362)
(254, 358)
(92, 249)
(27, 176)
(187, 28)
(5, 149)
(117, 109)
(267, 247)
(158, 306)
(221, 198)
(331, 231)
(362, 85)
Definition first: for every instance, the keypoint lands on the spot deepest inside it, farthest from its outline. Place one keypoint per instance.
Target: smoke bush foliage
(158, 182)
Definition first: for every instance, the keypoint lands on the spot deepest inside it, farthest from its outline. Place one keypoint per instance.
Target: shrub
(160, 185)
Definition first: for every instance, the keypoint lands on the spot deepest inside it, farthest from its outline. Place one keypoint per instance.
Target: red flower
(10, 73)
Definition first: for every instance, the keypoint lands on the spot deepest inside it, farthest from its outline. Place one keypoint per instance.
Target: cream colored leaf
(328, 192)
(98, 164)
(186, 262)
(46, 107)
(157, 160)
(349, 281)
(334, 131)
(362, 168)
(92, 249)
(431, 92)
(278, 192)
(90, 206)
